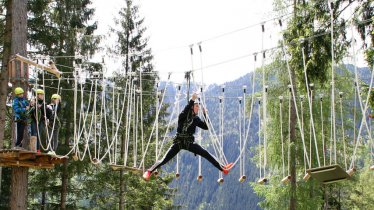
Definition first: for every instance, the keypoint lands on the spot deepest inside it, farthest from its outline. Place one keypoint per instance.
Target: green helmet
(56, 96)
(40, 91)
(18, 91)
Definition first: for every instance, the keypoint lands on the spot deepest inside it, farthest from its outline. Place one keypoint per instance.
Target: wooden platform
(25, 158)
(328, 174)
(126, 168)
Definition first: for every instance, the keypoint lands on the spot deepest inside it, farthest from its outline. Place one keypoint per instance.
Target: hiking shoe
(147, 175)
(226, 169)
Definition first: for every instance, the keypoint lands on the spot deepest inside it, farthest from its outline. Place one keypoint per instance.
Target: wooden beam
(24, 163)
(126, 168)
(51, 69)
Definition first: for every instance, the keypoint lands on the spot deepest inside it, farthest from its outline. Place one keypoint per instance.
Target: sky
(172, 26)
(229, 32)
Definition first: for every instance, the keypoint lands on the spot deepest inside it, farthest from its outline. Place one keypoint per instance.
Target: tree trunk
(293, 122)
(17, 11)
(121, 176)
(4, 76)
(44, 195)
(65, 175)
(18, 197)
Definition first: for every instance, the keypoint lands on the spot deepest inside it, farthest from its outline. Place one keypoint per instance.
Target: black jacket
(187, 121)
(41, 116)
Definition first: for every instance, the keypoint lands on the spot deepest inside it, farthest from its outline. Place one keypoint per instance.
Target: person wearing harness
(20, 109)
(39, 117)
(54, 121)
(184, 139)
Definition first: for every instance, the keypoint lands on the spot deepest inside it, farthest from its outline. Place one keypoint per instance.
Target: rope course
(109, 115)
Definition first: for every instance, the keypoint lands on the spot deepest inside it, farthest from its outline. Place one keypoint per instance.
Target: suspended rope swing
(332, 173)
(285, 178)
(242, 132)
(220, 179)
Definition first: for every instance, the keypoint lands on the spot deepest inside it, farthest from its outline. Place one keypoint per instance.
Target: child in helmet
(20, 109)
(188, 120)
(54, 121)
(39, 118)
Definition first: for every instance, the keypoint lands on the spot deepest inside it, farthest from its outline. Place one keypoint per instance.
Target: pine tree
(138, 59)
(62, 30)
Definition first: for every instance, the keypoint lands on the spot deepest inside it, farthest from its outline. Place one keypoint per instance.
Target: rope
(221, 105)
(240, 134)
(322, 132)
(293, 95)
(244, 130)
(333, 76)
(264, 95)
(259, 136)
(289, 131)
(251, 111)
(363, 120)
(144, 152)
(302, 128)
(310, 102)
(343, 136)
(281, 132)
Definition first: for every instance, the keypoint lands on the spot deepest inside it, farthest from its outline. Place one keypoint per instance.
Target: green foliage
(364, 23)
(311, 19)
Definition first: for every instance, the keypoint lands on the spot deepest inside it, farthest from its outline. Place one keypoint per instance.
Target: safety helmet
(18, 91)
(40, 91)
(197, 101)
(56, 96)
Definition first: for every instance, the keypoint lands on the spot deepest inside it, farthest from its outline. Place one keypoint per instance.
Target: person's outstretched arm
(188, 107)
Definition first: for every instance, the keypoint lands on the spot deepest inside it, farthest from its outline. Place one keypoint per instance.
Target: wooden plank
(26, 156)
(328, 174)
(127, 168)
(25, 163)
(9, 155)
(51, 69)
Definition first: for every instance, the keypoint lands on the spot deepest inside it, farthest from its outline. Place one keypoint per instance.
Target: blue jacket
(19, 108)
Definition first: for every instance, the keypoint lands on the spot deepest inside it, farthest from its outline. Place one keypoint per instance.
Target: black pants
(192, 147)
(20, 126)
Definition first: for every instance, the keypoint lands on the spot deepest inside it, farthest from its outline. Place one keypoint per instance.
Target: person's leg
(55, 137)
(20, 129)
(197, 149)
(43, 138)
(173, 150)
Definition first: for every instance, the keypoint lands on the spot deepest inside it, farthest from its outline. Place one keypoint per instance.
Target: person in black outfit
(39, 118)
(184, 139)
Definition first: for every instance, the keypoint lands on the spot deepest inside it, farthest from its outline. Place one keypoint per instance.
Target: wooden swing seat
(127, 168)
(242, 178)
(30, 159)
(286, 179)
(262, 181)
(220, 181)
(328, 174)
(177, 175)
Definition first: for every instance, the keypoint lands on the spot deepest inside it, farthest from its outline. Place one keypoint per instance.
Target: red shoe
(147, 175)
(227, 168)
